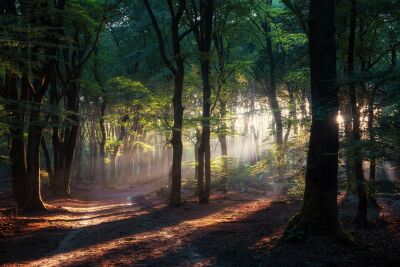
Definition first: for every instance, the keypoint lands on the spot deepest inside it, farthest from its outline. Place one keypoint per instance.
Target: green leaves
(124, 90)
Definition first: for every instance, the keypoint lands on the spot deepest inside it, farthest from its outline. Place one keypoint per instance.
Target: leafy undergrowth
(135, 227)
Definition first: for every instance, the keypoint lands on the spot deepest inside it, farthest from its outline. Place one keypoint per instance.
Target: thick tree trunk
(319, 213)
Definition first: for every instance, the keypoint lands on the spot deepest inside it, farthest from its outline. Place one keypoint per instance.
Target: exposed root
(297, 230)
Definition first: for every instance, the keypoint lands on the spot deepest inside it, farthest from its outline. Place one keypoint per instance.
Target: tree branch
(103, 18)
(160, 38)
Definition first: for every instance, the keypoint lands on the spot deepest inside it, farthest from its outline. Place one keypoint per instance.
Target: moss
(299, 229)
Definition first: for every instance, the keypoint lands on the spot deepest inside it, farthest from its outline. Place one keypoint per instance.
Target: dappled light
(199, 133)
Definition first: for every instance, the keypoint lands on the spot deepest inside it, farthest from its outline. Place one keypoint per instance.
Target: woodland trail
(131, 227)
(136, 228)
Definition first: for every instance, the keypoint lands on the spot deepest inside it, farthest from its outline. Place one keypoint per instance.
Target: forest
(200, 133)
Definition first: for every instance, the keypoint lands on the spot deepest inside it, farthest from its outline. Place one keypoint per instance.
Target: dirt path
(135, 228)
(124, 228)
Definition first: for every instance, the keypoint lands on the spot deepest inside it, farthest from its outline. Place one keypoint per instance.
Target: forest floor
(136, 228)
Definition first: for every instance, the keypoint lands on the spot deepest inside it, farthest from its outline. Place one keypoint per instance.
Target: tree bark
(16, 129)
(372, 162)
(271, 88)
(47, 158)
(361, 216)
(204, 38)
(224, 146)
(319, 215)
(15, 118)
(33, 200)
(178, 72)
(103, 107)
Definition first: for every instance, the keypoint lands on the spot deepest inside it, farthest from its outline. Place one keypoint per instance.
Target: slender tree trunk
(303, 109)
(16, 128)
(271, 89)
(224, 146)
(56, 141)
(68, 145)
(103, 107)
(47, 159)
(204, 38)
(345, 111)
(319, 213)
(176, 141)
(361, 216)
(372, 162)
(179, 72)
(78, 155)
(121, 136)
(102, 144)
(33, 200)
(15, 114)
(200, 182)
(204, 155)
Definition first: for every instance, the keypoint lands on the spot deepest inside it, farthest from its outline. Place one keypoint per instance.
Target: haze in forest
(199, 132)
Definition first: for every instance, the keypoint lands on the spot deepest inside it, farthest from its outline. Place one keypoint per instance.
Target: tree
(361, 216)
(202, 22)
(178, 71)
(319, 213)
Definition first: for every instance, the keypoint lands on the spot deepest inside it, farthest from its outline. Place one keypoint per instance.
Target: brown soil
(135, 228)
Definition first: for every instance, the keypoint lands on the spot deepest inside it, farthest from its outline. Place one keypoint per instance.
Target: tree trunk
(319, 215)
(103, 107)
(33, 200)
(204, 37)
(176, 141)
(78, 155)
(372, 162)
(102, 144)
(15, 123)
(271, 88)
(361, 216)
(15, 114)
(224, 146)
(199, 180)
(179, 72)
(68, 144)
(345, 111)
(47, 159)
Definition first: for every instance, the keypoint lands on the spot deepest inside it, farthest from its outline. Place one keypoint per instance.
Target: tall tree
(361, 216)
(319, 213)
(202, 22)
(178, 71)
